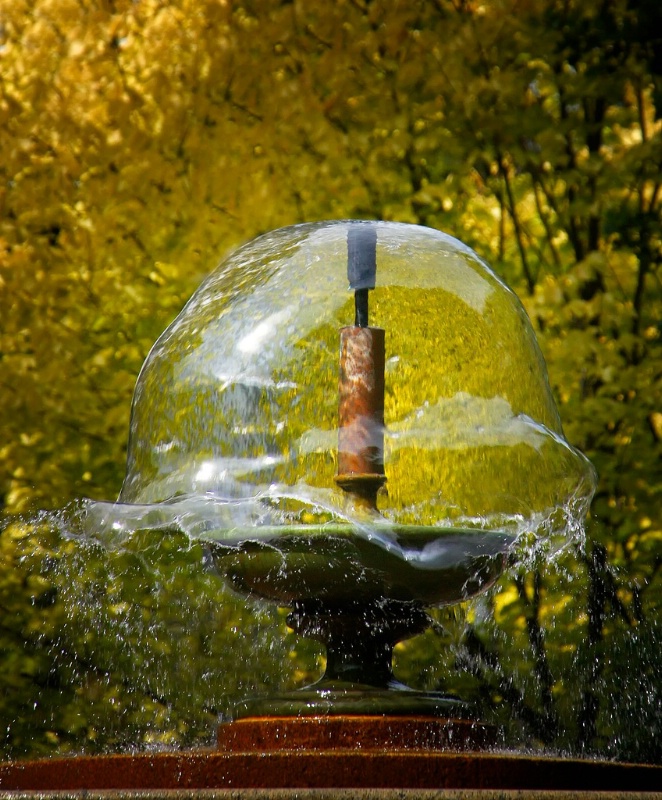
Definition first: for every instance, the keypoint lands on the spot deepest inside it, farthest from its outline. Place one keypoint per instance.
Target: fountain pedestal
(358, 680)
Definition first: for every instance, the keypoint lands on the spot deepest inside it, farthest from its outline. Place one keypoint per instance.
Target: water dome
(238, 399)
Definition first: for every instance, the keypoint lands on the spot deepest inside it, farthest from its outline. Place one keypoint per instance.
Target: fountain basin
(413, 563)
(417, 772)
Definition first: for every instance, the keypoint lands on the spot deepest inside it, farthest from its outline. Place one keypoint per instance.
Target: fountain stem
(361, 385)
(359, 637)
(361, 414)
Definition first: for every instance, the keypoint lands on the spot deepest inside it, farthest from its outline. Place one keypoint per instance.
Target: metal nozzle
(361, 267)
(361, 385)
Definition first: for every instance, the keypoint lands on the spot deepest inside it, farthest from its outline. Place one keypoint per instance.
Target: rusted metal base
(333, 752)
(342, 733)
(307, 769)
(361, 414)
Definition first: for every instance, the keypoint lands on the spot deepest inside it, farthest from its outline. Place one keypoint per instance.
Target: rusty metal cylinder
(361, 413)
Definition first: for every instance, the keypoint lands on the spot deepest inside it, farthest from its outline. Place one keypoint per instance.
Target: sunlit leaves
(140, 140)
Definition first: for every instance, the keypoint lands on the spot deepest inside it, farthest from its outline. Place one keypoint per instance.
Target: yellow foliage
(139, 141)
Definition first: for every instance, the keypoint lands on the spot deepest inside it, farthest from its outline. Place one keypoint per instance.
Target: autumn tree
(140, 140)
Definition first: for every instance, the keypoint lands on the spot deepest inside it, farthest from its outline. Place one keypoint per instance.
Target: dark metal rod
(361, 267)
(361, 308)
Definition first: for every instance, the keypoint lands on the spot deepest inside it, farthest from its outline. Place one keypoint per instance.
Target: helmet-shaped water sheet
(238, 399)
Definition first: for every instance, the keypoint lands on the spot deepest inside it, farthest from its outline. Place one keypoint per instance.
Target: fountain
(254, 416)
(357, 490)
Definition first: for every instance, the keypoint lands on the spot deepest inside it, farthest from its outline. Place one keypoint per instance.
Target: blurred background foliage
(140, 140)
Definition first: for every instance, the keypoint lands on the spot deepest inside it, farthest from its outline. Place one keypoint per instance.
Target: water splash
(232, 444)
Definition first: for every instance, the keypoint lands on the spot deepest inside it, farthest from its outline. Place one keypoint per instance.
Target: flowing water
(232, 452)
